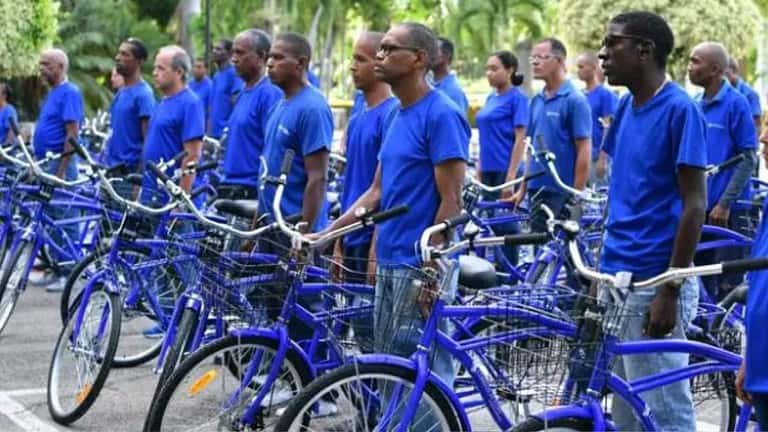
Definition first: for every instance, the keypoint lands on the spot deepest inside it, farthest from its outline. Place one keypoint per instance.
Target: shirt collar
(564, 90)
(724, 89)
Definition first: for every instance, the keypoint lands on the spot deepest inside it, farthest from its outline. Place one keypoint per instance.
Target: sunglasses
(387, 49)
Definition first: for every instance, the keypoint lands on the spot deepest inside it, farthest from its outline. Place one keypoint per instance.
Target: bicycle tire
(217, 349)
(10, 269)
(535, 424)
(175, 354)
(87, 392)
(294, 417)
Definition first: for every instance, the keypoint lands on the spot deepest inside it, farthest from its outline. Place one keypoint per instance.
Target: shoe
(57, 285)
(42, 278)
(154, 332)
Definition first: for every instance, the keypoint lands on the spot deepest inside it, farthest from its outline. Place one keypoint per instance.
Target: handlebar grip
(116, 168)
(77, 147)
(746, 264)
(530, 177)
(293, 219)
(526, 239)
(459, 219)
(389, 213)
(287, 160)
(731, 162)
(207, 166)
(199, 190)
(14, 126)
(157, 171)
(177, 159)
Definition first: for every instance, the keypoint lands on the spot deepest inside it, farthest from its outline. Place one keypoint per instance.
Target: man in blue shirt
(732, 73)
(7, 114)
(602, 104)
(247, 124)
(444, 79)
(177, 123)
(202, 85)
(421, 165)
(656, 205)
(59, 121)
(226, 86)
(730, 131)
(130, 110)
(559, 122)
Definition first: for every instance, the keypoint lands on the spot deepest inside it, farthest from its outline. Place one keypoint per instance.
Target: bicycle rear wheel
(13, 279)
(81, 361)
(198, 395)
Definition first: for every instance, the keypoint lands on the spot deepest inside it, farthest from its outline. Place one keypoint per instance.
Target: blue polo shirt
(303, 124)
(245, 140)
(559, 120)
(647, 145)
(63, 104)
(602, 103)
(757, 315)
(451, 87)
(365, 133)
(496, 123)
(176, 119)
(130, 105)
(226, 85)
(752, 97)
(7, 113)
(313, 79)
(730, 131)
(202, 89)
(421, 136)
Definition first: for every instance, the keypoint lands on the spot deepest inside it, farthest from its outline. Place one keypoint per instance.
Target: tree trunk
(523, 52)
(185, 11)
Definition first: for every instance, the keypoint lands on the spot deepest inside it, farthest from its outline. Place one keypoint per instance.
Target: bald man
(602, 104)
(730, 131)
(59, 121)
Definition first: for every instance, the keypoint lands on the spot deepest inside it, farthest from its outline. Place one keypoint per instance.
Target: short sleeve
(520, 116)
(12, 115)
(194, 121)
(754, 102)
(581, 119)
(689, 132)
(608, 104)
(145, 103)
(449, 134)
(72, 107)
(316, 129)
(742, 127)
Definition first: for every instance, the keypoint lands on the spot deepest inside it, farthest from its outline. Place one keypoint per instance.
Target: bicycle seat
(476, 273)
(241, 208)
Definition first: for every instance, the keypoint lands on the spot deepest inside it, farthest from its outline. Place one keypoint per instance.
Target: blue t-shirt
(451, 87)
(555, 124)
(365, 133)
(131, 104)
(647, 145)
(245, 140)
(421, 136)
(176, 119)
(752, 97)
(62, 105)
(313, 79)
(303, 124)
(757, 315)
(730, 131)
(496, 123)
(602, 103)
(226, 85)
(202, 89)
(7, 113)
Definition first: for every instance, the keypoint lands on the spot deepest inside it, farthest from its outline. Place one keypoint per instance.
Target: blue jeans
(356, 260)
(56, 213)
(760, 405)
(671, 405)
(398, 322)
(495, 178)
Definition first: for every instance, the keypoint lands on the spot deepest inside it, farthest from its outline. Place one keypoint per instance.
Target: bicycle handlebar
(716, 169)
(506, 185)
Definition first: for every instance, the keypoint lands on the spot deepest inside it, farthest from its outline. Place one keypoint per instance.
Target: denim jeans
(760, 405)
(64, 212)
(356, 260)
(398, 322)
(671, 405)
(554, 199)
(495, 178)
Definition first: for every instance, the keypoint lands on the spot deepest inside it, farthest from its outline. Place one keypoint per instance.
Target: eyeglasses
(387, 49)
(612, 39)
(540, 58)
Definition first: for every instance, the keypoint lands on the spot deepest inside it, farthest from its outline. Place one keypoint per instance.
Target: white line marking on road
(21, 416)
(25, 392)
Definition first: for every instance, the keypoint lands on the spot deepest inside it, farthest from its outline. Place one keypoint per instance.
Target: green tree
(732, 22)
(26, 27)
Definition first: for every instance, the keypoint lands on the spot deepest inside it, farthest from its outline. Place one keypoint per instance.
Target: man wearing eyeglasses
(656, 205)
(559, 122)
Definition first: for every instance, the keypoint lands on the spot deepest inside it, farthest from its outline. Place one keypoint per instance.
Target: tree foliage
(26, 27)
(733, 22)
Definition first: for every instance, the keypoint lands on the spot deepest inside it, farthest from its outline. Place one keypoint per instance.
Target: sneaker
(57, 285)
(154, 332)
(42, 278)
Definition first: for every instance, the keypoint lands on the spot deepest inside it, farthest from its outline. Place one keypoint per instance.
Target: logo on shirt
(284, 130)
(553, 114)
(715, 126)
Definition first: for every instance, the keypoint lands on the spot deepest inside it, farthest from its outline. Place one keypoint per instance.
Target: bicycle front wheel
(201, 393)
(367, 397)
(13, 281)
(81, 361)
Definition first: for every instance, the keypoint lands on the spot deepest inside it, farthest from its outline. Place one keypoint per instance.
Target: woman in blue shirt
(501, 124)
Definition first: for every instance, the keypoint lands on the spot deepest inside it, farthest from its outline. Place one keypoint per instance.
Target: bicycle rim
(13, 280)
